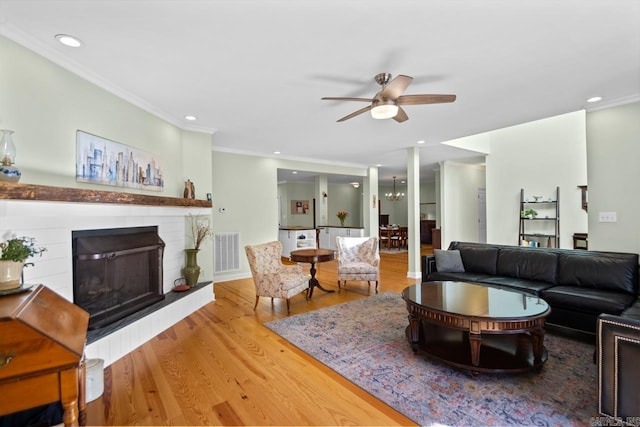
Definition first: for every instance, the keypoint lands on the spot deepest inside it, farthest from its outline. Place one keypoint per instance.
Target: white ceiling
(254, 71)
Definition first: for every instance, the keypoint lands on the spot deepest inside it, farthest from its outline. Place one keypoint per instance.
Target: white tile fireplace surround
(51, 224)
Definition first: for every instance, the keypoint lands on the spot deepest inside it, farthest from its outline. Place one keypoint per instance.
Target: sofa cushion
(532, 264)
(460, 277)
(600, 270)
(479, 260)
(522, 285)
(448, 261)
(587, 299)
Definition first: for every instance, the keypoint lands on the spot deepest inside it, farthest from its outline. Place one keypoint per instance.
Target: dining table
(391, 234)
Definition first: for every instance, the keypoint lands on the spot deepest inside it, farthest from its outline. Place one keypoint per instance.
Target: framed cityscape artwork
(102, 161)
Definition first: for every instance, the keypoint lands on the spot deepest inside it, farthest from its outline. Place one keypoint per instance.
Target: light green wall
(459, 216)
(246, 186)
(428, 195)
(340, 197)
(45, 105)
(397, 211)
(537, 156)
(613, 152)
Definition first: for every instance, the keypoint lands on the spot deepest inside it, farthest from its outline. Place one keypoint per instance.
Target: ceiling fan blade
(396, 87)
(331, 98)
(355, 113)
(424, 99)
(401, 116)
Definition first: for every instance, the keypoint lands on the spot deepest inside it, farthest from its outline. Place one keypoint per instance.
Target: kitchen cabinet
(328, 235)
(293, 238)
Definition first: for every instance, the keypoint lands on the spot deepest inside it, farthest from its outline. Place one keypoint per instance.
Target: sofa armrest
(618, 346)
(428, 266)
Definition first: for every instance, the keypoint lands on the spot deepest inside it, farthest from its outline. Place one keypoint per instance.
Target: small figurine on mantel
(189, 190)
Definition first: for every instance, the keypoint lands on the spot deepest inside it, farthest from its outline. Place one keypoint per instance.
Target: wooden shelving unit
(543, 229)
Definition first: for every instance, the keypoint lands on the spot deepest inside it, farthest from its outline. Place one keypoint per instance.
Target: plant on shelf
(528, 213)
(14, 253)
(342, 215)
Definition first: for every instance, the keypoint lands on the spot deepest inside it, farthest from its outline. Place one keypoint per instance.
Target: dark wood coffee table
(312, 256)
(476, 327)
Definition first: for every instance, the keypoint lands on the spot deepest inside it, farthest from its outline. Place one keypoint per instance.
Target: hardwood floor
(220, 366)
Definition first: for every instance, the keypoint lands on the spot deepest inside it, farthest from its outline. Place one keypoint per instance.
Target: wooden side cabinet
(41, 353)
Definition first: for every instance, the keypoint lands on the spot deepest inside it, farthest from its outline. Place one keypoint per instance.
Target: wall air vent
(226, 252)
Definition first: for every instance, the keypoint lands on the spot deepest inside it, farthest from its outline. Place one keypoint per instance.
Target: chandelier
(396, 195)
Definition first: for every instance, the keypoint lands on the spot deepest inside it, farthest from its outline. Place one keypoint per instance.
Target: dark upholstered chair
(618, 357)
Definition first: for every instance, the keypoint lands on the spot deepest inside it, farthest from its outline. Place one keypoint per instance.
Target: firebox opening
(116, 272)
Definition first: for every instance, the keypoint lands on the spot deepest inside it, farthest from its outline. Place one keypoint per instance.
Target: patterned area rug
(365, 342)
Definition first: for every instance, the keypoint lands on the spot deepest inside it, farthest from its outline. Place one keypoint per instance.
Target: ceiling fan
(386, 104)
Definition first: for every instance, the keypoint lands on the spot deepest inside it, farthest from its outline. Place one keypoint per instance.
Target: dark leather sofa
(618, 350)
(579, 285)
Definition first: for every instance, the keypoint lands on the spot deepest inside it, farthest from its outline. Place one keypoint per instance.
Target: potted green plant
(528, 213)
(14, 253)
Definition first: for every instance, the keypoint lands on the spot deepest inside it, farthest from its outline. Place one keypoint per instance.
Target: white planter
(10, 272)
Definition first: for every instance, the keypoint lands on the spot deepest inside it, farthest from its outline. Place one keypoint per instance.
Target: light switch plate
(607, 217)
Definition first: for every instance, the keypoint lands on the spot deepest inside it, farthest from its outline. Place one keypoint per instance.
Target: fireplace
(116, 272)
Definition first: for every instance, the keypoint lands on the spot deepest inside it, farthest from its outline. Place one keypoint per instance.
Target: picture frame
(299, 207)
(103, 161)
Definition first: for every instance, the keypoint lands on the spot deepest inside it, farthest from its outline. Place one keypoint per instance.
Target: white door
(482, 215)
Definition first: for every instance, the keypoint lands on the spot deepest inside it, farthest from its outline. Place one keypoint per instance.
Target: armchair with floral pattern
(358, 259)
(271, 277)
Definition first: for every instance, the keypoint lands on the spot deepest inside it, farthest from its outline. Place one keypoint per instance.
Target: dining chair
(399, 238)
(385, 237)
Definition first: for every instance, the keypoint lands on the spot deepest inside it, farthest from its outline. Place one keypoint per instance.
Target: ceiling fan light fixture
(384, 108)
(384, 111)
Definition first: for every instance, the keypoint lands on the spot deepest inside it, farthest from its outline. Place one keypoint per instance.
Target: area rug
(364, 341)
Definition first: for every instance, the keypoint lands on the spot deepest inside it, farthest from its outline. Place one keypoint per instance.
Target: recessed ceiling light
(594, 99)
(68, 40)
(191, 118)
(276, 152)
(421, 142)
(294, 172)
(379, 165)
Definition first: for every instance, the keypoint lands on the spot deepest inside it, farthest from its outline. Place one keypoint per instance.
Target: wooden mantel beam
(13, 191)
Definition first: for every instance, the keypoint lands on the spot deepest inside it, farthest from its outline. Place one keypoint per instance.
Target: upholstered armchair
(358, 259)
(618, 355)
(271, 277)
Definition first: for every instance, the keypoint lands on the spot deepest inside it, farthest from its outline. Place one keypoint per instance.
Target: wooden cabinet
(426, 225)
(436, 238)
(41, 353)
(296, 238)
(539, 220)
